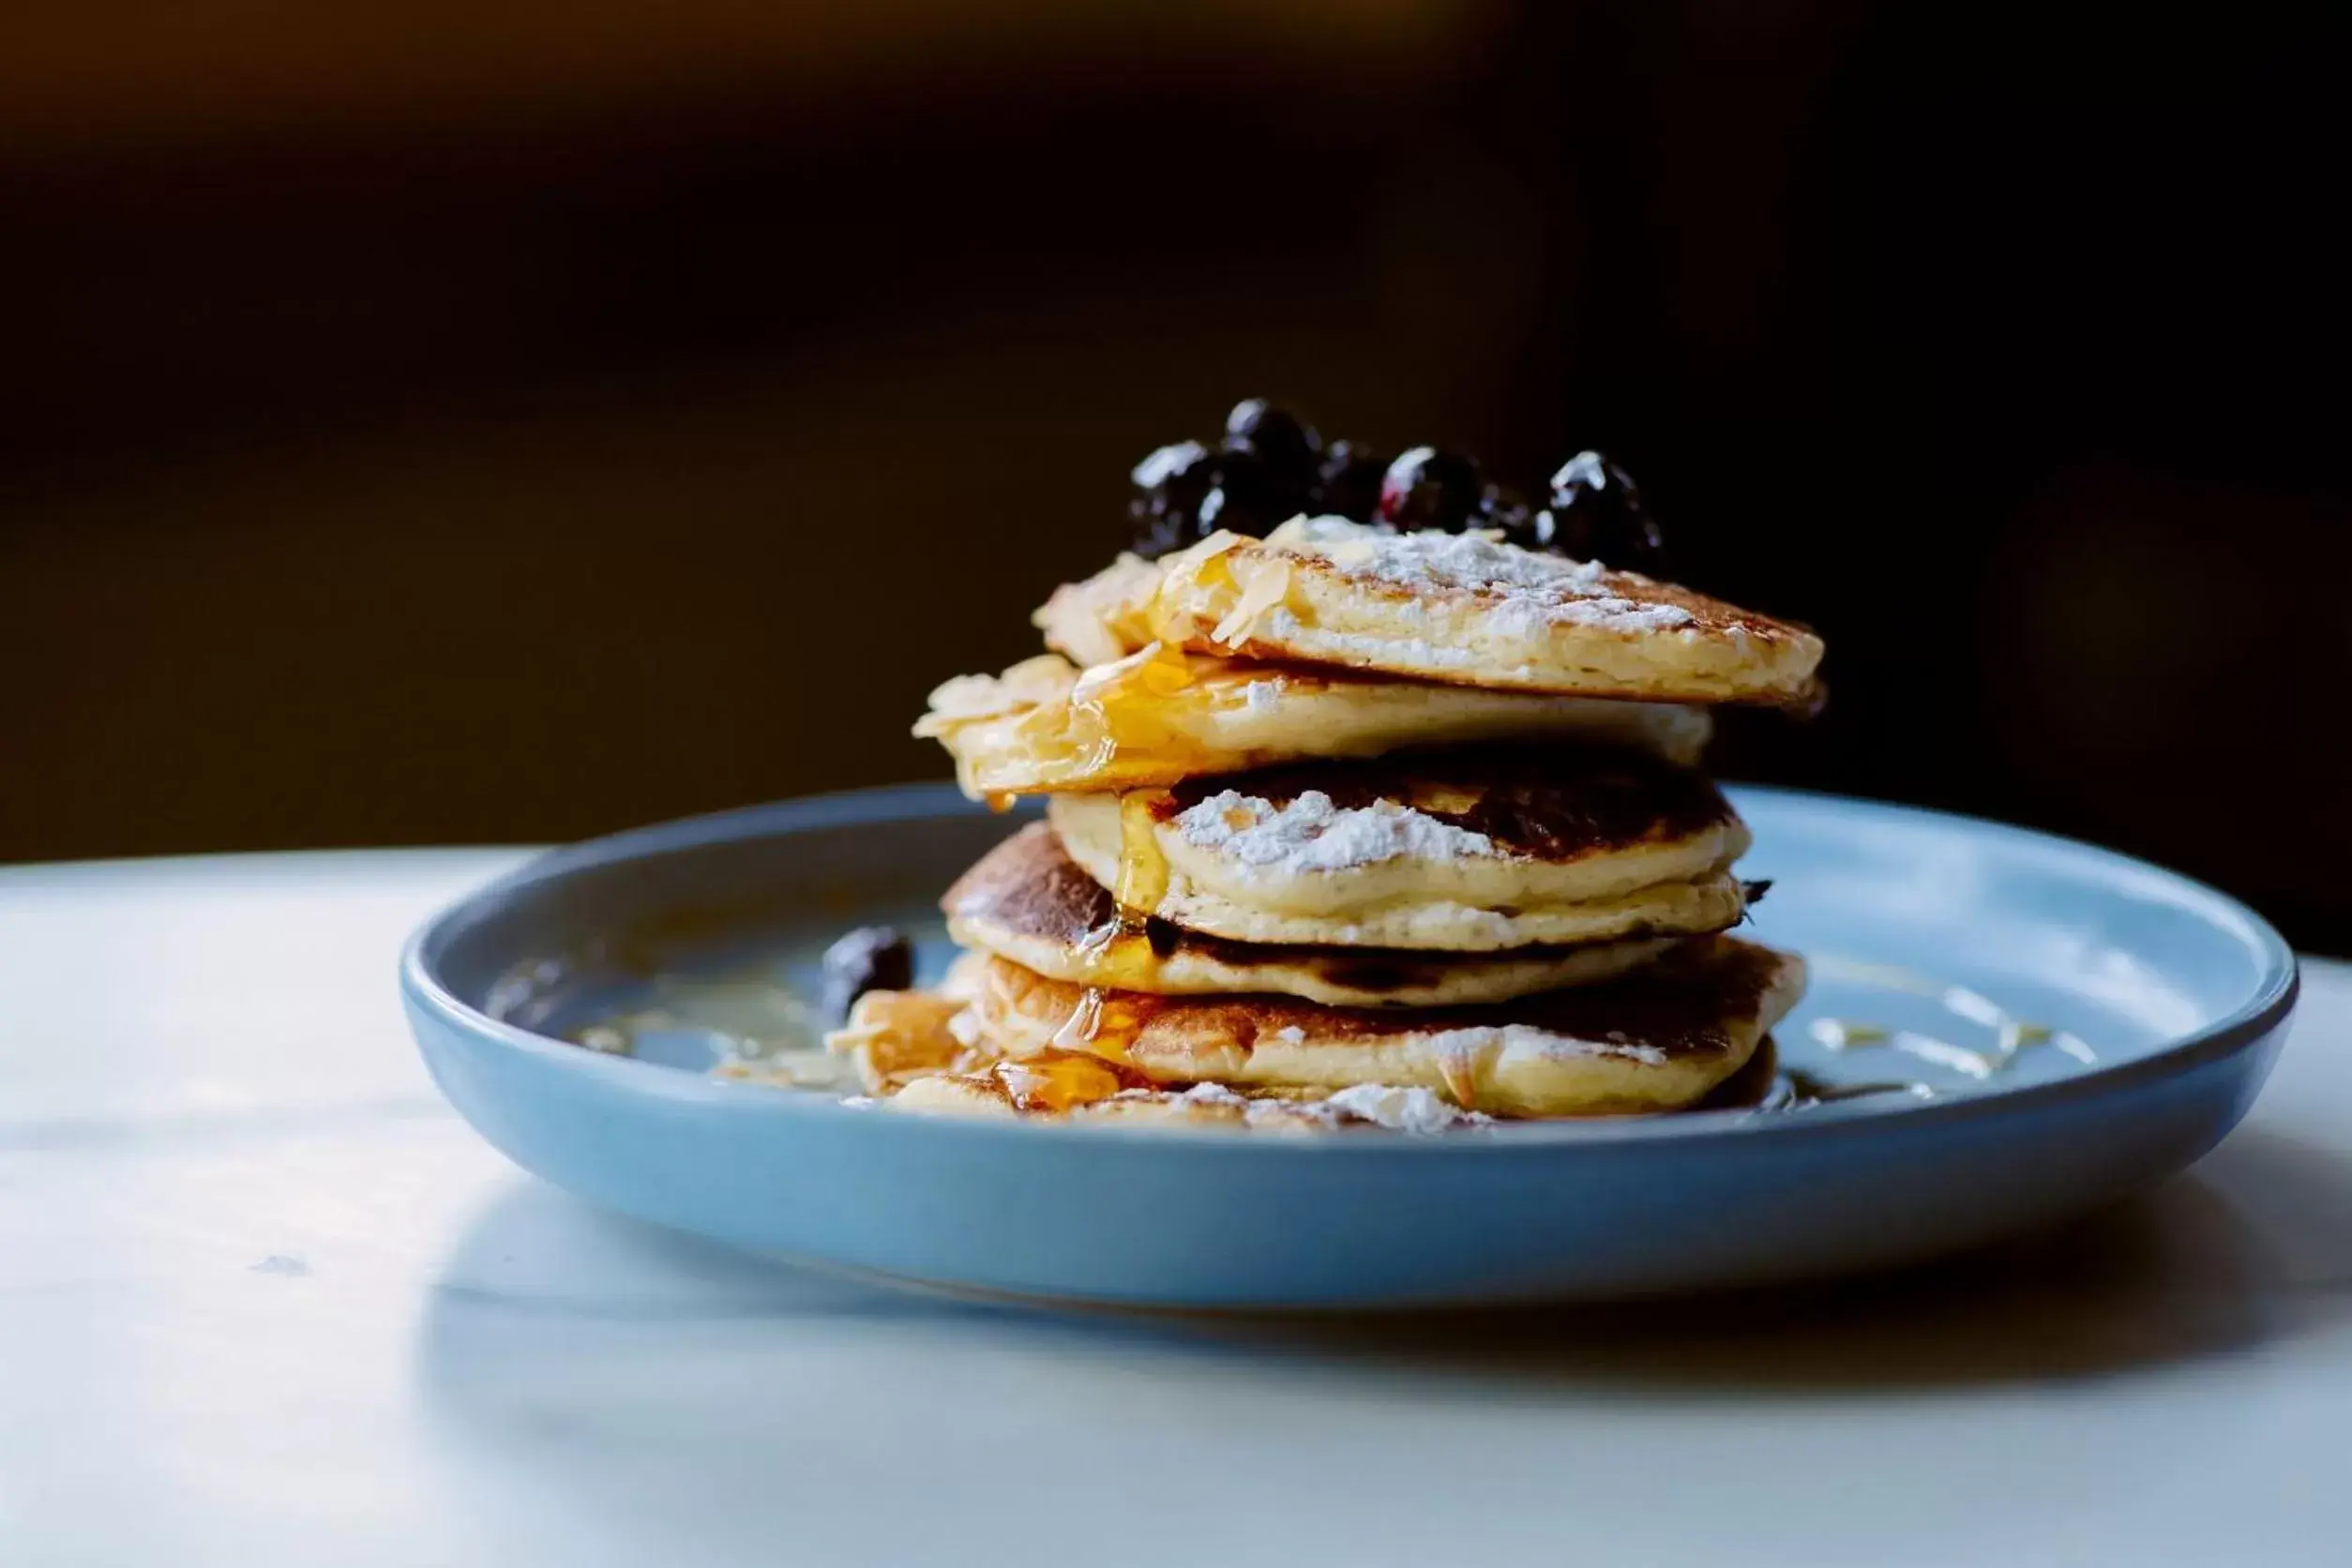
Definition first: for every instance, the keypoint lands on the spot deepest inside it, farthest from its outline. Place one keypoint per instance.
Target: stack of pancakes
(1348, 825)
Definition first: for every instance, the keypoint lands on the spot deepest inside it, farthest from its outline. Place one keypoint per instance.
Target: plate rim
(2269, 1006)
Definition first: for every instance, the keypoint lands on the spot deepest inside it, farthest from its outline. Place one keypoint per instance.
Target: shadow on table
(2191, 1271)
(2255, 1244)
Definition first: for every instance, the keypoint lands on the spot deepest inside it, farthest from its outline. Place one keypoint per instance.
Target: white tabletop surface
(264, 1301)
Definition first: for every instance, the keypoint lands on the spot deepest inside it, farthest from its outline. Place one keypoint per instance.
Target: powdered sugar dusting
(1538, 589)
(1409, 1111)
(1314, 834)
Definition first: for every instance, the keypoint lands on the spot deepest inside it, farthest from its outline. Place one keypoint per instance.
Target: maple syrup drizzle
(1055, 1082)
(1143, 866)
(1131, 712)
(1118, 954)
(1085, 1023)
(2011, 1035)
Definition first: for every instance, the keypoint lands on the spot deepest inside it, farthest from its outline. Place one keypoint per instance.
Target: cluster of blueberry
(1271, 466)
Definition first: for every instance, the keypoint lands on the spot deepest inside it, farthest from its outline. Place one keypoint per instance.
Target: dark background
(513, 421)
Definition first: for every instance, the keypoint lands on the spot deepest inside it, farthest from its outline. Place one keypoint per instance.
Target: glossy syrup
(1122, 953)
(1053, 1082)
(2012, 1037)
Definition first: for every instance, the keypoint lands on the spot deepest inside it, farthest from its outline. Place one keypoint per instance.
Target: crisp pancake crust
(1160, 716)
(1465, 608)
(1028, 901)
(1657, 1039)
(1472, 849)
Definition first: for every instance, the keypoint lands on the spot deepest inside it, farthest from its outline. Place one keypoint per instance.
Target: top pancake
(1159, 715)
(1462, 609)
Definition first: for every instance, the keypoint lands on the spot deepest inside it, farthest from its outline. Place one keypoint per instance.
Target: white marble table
(263, 1300)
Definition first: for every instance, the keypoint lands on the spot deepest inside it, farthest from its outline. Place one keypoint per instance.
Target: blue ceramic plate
(2059, 1026)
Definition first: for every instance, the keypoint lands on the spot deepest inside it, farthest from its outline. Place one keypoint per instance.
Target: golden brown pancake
(1073, 1087)
(1104, 618)
(1457, 608)
(1028, 901)
(1059, 1088)
(1476, 849)
(1659, 1038)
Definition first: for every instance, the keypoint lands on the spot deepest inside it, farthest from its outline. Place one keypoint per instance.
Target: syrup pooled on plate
(2012, 1035)
(750, 1021)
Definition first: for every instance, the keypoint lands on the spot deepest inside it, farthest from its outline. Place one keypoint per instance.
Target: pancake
(917, 1051)
(1460, 608)
(1472, 849)
(1104, 618)
(1008, 1090)
(1159, 717)
(1029, 901)
(1657, 1039)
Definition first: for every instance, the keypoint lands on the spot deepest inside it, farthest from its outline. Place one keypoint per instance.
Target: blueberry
(1348, 485)
(1589, 477)
(1286, 443)
(870, 959)
(1596, 514)
(1249, 495)
(1506, 511)
(1429, 488)
(1170, 484)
